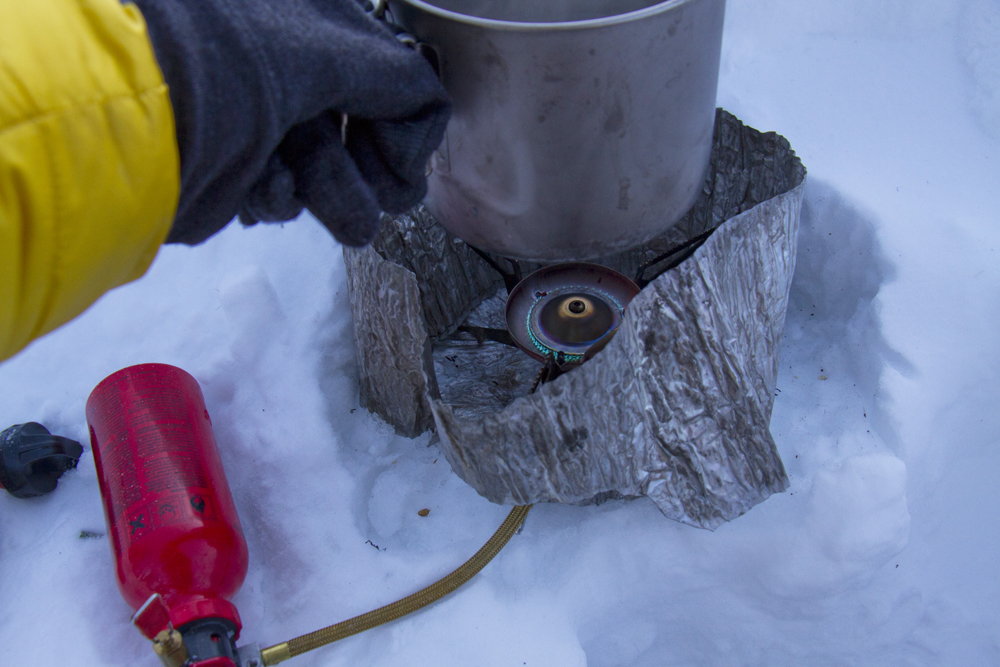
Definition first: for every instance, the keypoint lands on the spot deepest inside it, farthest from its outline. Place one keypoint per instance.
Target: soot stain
(574, 439)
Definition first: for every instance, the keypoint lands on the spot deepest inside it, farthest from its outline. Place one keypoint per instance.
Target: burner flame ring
(563, 310)
(570, 319)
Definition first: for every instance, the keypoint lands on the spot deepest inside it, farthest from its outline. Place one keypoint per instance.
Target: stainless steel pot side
(581, 128)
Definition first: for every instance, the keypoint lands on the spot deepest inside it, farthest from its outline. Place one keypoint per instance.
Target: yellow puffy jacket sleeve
(89, 168)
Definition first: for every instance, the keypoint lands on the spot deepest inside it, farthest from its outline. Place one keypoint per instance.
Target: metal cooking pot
(581, 128)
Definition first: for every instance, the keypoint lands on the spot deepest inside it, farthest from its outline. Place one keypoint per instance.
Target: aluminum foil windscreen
(675, 408)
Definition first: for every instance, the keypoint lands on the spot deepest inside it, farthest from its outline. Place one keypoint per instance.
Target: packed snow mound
(857, 519)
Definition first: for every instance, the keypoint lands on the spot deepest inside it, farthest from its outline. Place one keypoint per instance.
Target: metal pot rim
(514, 26)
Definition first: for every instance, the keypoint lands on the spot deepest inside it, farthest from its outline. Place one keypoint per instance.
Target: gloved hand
(259, 88)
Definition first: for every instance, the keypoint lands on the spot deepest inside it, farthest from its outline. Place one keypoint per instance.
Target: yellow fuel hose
(272, 655)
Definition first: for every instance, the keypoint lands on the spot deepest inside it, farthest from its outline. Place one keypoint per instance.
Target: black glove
(259, 88)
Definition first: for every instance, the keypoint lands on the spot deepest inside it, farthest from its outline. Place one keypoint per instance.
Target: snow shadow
(846, 508)
(813, 553)
(834, 351)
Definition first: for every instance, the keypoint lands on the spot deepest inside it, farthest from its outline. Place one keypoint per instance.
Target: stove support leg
(510, 278)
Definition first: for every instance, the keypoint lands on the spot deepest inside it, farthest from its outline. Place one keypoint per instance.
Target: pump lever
(249, 656)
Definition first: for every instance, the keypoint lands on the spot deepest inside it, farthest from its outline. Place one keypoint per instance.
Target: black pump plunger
(32, 459)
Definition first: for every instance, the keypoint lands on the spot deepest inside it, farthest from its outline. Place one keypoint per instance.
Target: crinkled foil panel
(676, 407)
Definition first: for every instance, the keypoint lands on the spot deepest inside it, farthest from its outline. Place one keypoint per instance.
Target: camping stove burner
(562, 311)
(571, 319)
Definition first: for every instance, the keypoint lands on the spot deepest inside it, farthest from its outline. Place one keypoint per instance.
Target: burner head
(563, 310)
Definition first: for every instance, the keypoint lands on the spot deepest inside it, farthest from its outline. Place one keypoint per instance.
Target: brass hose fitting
(169, 647)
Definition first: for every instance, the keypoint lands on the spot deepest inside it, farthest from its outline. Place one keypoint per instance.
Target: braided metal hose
(272, 655)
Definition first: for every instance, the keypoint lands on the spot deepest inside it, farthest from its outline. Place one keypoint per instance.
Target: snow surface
(885, 551)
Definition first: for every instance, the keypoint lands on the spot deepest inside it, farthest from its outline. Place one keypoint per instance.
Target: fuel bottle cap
(207, 608)
(32, 459)
(154, 615)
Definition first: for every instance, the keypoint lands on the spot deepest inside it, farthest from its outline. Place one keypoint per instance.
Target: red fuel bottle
(171, 518)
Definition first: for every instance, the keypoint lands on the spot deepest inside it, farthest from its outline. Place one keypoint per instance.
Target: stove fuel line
(272, 655)
(511, 526)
